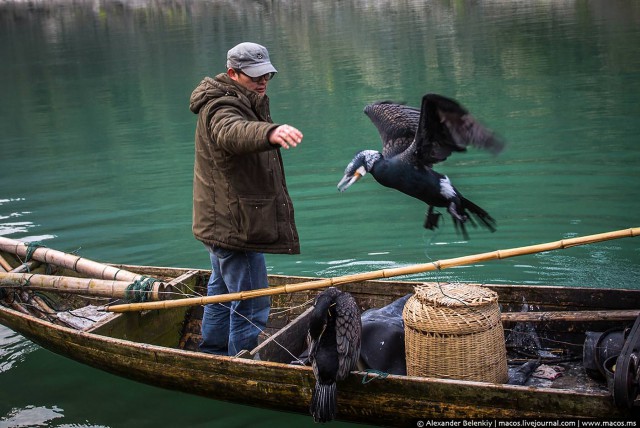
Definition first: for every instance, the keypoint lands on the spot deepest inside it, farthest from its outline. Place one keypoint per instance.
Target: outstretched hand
(285, 136)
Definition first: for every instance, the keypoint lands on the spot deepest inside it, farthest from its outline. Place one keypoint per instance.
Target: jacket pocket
(258, 220)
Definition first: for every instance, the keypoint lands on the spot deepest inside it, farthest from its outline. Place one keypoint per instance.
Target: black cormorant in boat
(334, 347)
(382, 340)
(413, 140)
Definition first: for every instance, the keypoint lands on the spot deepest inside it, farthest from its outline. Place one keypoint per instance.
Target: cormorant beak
(348, 180)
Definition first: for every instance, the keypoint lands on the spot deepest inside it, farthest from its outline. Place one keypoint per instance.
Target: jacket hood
(208, 89)
(222, 85)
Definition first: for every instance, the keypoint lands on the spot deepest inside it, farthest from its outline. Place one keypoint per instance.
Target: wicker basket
(454, 331)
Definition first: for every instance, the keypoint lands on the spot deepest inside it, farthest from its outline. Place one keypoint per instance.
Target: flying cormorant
(334, 347)
(412, 141)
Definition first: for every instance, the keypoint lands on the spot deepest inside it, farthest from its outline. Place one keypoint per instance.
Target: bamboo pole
(44, 306)
(17, 307)
(4, 265)
(68, 284)
(385, 273)
(26, 267)
(69, 261)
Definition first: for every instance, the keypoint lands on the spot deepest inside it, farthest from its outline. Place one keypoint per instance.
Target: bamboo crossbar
(65, 284)
(385, 273)
(26, 267)
(69, 261)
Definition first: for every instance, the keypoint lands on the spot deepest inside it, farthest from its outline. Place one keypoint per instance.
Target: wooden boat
(159, 347)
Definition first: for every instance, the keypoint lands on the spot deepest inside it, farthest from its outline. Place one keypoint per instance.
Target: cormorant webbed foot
(431, 219)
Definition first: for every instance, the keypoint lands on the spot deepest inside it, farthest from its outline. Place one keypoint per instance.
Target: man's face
(255, 84)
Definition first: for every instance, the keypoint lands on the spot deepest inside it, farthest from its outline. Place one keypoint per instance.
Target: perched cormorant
(412, 141)
(334, 347)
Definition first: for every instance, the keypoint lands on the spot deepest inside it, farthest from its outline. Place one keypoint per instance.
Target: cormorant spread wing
(445, 127)
(396, 123)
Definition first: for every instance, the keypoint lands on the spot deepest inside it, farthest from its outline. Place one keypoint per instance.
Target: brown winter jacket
(240, 197)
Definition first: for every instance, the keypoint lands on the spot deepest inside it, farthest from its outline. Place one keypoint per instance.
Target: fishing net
(454, 331)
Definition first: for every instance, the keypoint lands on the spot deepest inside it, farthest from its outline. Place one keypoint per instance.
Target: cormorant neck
(370, 157)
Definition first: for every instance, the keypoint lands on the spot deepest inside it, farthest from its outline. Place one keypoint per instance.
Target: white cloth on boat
(548, 372)
(84, 318)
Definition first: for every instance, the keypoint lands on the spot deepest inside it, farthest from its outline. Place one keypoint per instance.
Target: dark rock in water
(523, 373)
(382, 346)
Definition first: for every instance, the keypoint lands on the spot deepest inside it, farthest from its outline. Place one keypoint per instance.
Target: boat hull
(363, 397)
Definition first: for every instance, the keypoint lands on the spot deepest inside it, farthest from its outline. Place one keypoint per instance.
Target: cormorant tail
(323, 402)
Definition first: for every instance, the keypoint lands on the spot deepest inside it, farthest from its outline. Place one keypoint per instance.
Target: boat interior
(568, 352)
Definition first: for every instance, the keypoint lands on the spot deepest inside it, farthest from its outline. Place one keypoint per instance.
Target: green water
(96, 151)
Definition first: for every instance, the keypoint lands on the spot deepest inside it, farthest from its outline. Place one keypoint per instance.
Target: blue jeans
(228, 328)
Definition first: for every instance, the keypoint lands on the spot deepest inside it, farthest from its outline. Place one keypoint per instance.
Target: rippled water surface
(96, 151)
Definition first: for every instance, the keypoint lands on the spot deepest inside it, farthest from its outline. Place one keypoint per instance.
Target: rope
(378, 375)
(139, 290)
(27, 281)
(31, 248)
(254, 325)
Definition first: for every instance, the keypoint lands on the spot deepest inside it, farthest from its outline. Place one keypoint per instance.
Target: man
(241, 206)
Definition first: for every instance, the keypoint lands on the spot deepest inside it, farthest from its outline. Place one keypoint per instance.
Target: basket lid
(455, 294)
(452, 309)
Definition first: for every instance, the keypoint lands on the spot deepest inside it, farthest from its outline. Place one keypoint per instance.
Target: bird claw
(454, 213)
(459, 220)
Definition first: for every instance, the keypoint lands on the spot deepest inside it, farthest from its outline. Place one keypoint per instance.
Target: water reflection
(38, 416)
(30, 416)
(9, 216)
(13, 349)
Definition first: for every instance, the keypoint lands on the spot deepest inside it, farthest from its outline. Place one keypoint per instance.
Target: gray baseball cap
(250, 58)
